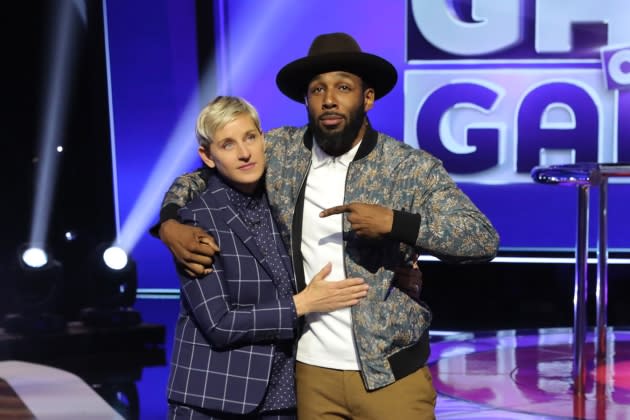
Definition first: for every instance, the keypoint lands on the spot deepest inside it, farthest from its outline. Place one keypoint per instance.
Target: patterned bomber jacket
(390, 328)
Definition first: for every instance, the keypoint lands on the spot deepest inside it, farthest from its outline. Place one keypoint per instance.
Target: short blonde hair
(220, 111)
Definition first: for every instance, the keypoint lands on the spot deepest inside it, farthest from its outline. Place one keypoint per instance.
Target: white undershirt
(327, 340)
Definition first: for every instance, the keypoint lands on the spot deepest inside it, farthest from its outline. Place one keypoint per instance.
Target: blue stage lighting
(179, 154)
(177, 157)
(59, 70)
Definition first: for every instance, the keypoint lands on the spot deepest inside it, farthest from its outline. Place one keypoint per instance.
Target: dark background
(82, 198)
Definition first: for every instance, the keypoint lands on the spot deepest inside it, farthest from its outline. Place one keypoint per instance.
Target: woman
(233, 355)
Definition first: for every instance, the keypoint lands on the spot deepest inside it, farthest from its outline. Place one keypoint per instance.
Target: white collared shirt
(327, 340)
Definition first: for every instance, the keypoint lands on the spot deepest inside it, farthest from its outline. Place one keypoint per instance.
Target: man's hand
(191, 246)
(367, 220)
(409, 280)
(324, 296)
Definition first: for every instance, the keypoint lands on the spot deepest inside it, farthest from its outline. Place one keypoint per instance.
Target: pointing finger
(334, 210)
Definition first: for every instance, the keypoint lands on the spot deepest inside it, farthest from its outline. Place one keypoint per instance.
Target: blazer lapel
(231, 217)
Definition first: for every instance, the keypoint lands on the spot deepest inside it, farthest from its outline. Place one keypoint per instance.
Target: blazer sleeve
(225, 322)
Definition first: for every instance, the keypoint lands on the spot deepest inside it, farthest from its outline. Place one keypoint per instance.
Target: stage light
(112, 282)
(59, 69)
(177, 156)
(36, 278)
(175, 159)
(248, 27)
(115, 258)
(34, 257)
(36, 283)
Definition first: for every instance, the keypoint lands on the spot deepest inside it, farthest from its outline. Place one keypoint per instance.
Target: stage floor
(527, 375)
(504, 374)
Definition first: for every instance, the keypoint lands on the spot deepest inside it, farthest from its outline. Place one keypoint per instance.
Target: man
(367, 362)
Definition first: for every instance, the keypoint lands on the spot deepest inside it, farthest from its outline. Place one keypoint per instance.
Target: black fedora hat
(336, 52)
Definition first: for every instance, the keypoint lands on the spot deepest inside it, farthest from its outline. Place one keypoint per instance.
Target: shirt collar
(241, 200)
(321, 158)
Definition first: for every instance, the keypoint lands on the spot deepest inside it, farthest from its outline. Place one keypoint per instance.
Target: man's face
(337, 104)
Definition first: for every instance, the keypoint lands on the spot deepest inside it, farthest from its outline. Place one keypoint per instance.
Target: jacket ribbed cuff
(405, 227)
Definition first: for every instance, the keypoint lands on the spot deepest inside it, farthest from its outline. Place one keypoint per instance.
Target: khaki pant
(340, 394)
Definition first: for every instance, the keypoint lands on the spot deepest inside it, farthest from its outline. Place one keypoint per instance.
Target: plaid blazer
(230, 319)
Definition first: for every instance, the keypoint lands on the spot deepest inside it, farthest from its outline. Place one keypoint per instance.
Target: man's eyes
(319, 89)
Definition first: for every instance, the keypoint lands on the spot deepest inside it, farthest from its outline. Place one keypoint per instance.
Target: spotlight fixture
(34, 257)
(36, 282)
(115, 258)
(112, 282)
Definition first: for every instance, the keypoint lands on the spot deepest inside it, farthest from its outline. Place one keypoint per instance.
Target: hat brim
(380, 74)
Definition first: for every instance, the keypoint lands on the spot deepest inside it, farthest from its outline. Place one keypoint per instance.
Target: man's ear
(368, 99)
(206, 156)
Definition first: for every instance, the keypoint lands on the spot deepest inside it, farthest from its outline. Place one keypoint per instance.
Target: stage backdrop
(490, 87)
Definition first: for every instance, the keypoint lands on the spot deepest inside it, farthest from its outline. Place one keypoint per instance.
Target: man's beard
(339, 142)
